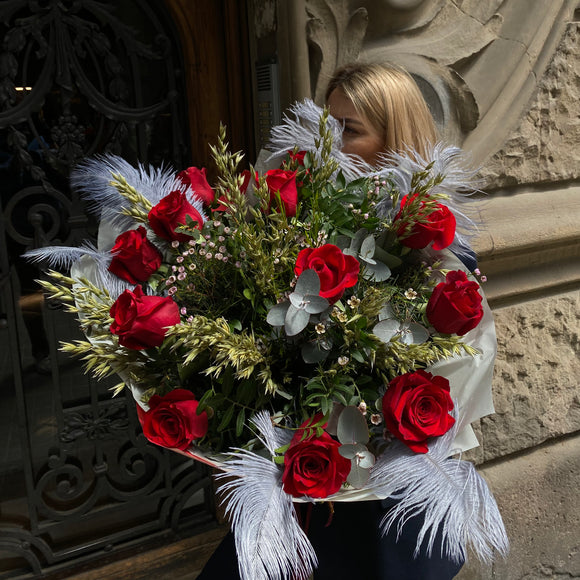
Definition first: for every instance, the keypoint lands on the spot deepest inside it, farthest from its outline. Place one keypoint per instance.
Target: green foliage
(239, 265)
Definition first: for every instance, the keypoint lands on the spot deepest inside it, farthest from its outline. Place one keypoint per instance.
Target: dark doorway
(78, 481)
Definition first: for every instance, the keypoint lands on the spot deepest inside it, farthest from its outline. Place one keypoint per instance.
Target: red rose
(135, 258)
(141, 321)
(455, 305)
(298, 157)
(416, 406)
(172, 420)
(438, 228)
(283, 182)
(171, 212)
(336, 270)
(313, 466)
(197, 180)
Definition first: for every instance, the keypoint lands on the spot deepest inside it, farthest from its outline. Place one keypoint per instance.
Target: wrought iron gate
(77, 478)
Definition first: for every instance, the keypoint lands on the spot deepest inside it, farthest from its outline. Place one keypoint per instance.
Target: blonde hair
(388, 98)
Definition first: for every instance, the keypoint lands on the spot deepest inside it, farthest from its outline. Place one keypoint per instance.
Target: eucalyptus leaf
(365, 459)
(386, 312)
(352, 426)
(377, 272)
(387, 329)
(312, 352)
(413, 333)
(367, 249)
(351, 450)
(308, 283)
(297, 300)
(358, 476)
(315, 304)
(277, 314)
(356, 242)
(296, 321)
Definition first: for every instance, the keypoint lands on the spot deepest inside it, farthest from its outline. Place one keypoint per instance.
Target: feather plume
(302, 131)
(452, 495)
(92, 178)
(83, 262)
(459, 183)
(269, 541)
(63, 257)
(272, 437)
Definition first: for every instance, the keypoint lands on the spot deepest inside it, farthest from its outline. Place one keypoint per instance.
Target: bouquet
(307, 329)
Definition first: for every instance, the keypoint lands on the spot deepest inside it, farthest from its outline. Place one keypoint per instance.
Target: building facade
(151, 81)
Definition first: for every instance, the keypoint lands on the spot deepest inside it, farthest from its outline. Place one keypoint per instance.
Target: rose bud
(172, 420)
(455, 305)
(172, 212)
(135, 258)
(197, 180)
(283, 182)
(142, 321)
(416, 406)
(437, 226)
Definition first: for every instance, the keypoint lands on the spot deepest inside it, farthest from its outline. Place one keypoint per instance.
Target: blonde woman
(382, 111)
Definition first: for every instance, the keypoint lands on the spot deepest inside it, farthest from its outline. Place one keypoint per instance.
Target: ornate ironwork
(77, 77)
(108, 422)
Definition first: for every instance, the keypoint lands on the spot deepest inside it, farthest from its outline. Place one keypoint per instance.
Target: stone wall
(530, 452)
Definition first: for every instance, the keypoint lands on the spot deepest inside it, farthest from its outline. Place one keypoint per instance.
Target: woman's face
(359, 136)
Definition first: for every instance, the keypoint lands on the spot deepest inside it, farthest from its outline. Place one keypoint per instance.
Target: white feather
(459, 183)
(65, 256)
(92, 178)
(453, 497)
(272, 437)
(85, 261)
(269, 541)
(302, 131)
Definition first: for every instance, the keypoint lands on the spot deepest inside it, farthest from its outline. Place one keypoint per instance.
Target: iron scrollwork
(78, 78)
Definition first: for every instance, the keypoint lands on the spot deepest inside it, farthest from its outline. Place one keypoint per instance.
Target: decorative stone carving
(335, 34)
(477, 62)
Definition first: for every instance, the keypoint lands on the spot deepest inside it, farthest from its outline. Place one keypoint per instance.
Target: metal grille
(77, 478)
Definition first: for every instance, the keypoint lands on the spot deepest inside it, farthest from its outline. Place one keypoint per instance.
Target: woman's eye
(350, 130)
